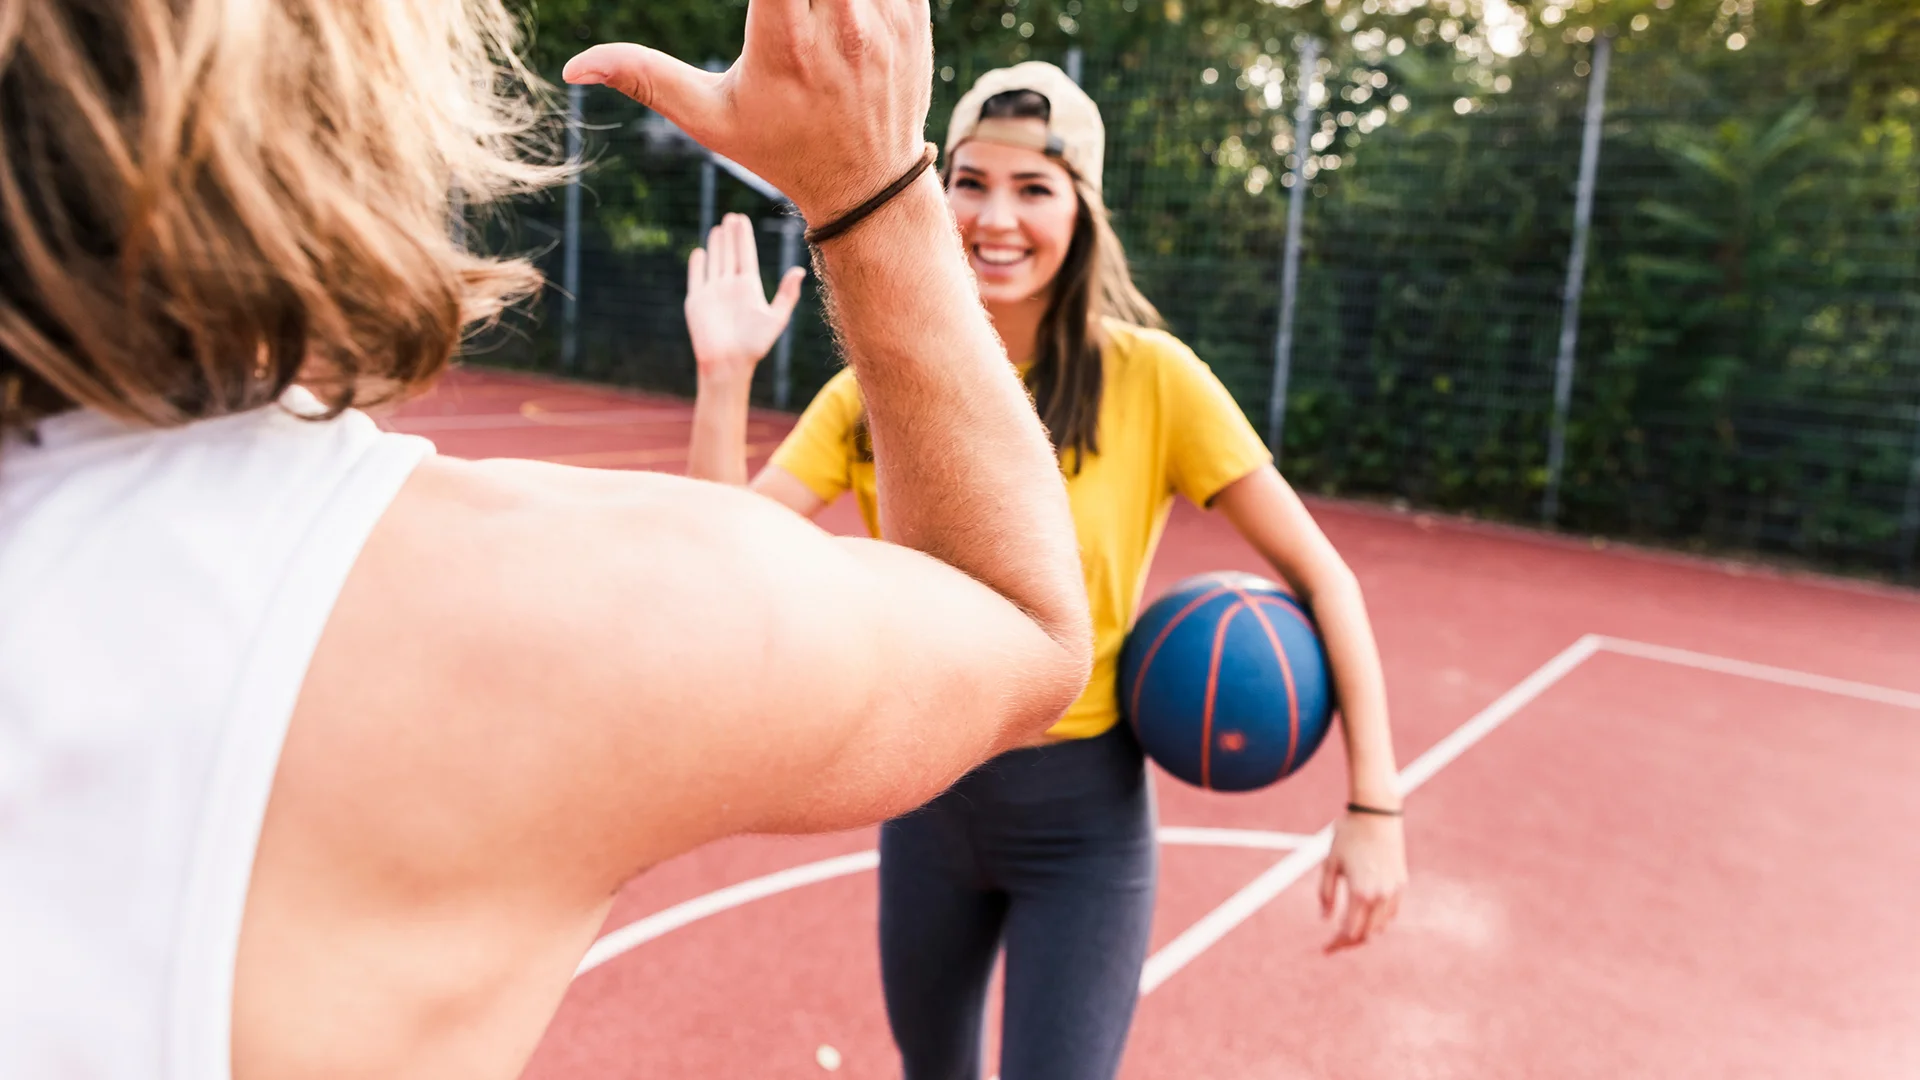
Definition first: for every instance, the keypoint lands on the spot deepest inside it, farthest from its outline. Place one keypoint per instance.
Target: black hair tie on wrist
(824, 233)
(1361, 808)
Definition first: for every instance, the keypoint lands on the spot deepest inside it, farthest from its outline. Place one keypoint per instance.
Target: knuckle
(856, 39)
(794, 53)
(634, 84)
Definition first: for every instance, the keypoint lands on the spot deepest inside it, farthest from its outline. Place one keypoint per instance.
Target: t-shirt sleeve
(819, 449)
(1210, 444)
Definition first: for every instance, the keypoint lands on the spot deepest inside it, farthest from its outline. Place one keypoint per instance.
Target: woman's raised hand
(728, 315)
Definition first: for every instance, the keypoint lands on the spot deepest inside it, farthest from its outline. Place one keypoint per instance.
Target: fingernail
(586, 78)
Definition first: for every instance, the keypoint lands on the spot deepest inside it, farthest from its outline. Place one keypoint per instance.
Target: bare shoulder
(530, 649)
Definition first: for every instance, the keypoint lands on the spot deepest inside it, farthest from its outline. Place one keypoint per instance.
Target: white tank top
(161, 594)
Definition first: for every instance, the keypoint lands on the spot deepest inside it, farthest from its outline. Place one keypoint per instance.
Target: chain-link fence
(1743, 367)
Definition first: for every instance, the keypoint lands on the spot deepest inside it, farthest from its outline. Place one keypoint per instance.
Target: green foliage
(1749, 357)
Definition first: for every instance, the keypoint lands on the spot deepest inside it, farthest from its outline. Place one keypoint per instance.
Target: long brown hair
(1092, 285)
(203, 201)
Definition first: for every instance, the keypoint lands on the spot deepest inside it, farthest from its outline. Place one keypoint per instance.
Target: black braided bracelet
(1359, 808)
(855, 216)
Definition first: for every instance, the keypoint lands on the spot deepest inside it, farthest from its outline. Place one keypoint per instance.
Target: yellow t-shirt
(1166, 425)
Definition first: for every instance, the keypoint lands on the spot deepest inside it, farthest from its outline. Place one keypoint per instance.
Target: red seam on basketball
(1146, 662)
(1292, 608)
(1213, 685)
(1293, 710)
(1286, 675)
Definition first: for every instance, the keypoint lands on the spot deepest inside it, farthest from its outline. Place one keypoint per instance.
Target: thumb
(680, 92)
(1329, 887)
(788, 295)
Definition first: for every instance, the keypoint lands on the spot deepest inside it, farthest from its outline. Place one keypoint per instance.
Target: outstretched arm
(829, 102)
(733, 326)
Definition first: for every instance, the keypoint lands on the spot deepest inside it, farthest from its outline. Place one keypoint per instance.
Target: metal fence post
(1076, 60)
(791, 227)
(1910, 515)
(1576, 278)
(1290, 259)
(707, 198)
(570, 240)
(708, 174)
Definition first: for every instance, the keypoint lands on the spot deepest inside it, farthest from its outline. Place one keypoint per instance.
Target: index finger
(781, 20)
(1353, 922)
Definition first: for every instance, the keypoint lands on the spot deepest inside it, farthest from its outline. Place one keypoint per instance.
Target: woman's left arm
(1369, 850)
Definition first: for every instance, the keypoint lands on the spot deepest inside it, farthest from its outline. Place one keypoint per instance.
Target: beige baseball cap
(1074, 132)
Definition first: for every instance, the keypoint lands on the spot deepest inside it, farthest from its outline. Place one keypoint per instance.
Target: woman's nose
(997, 212)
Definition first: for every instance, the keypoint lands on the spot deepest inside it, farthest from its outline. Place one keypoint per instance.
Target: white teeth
(999, 256)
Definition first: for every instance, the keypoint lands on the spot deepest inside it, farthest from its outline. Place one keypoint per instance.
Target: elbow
(1074, 641)
(1074, 668)
(1058, 680)
(1333, 583)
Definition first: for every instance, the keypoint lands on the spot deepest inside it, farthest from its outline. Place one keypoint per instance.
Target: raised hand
(828, 100)
(728, 316)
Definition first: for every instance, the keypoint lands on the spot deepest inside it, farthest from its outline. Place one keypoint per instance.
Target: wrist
(888, 234)
(843, 196)
(1379, 792)
(724, 386)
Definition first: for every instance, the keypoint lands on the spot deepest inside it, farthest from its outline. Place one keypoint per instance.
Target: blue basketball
(1225, 682)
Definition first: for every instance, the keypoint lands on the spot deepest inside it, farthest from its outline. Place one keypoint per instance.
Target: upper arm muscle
(609, 669)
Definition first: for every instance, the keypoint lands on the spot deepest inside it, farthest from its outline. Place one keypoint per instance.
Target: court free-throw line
(1885, 695)
(638, 933)
(1261, 891)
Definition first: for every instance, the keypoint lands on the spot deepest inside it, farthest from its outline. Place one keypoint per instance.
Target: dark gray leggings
(1051, 852)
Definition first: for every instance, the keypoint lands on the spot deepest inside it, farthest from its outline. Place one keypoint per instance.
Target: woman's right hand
(728, 315)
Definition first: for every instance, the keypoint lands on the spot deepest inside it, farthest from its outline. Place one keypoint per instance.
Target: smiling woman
(1042, 248)
(1049, 851)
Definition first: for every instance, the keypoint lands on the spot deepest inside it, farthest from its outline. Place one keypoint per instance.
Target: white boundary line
(1804, 680)
(1262, 890)
(638, 933)
(1304, 852)
(1192, 836)
(660, 923)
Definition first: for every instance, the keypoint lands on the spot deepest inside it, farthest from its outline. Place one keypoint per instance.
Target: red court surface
(1663, 825)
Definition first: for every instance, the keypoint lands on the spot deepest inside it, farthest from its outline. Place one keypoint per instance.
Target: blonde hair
(203, 201)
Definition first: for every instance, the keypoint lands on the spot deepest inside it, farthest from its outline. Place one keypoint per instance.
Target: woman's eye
(965, 183)
(1037, 191)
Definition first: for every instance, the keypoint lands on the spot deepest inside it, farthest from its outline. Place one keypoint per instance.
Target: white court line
(1261, 891)
(660, 923)
(1461, 739)
(1304, 852)
(636, 934)
(1194, 836)
(1763, 672)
